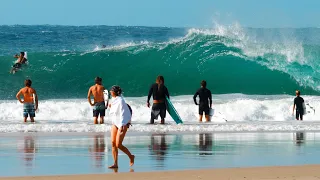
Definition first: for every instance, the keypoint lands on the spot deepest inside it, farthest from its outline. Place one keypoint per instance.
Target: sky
(168, 13)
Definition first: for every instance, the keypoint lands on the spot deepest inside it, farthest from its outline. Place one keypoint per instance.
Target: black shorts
(17, 65)
(158, 109)
(299, 113)
(204, 109)
(99, 109)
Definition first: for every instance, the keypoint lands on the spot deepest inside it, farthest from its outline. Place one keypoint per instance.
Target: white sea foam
(242, 112)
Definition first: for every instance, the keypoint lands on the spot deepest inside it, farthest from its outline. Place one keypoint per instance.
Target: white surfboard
(307, 109)
(106, 97)
(304, 109)
(34, 101)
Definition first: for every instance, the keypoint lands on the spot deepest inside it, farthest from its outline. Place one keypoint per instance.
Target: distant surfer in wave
(21, 59)
(159, 92)
(298, 105)
(28, 94)
(205, 102)
(121, 119)
(98, 100)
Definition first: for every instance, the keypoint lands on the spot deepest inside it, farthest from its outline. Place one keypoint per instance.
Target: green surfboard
(172, 111)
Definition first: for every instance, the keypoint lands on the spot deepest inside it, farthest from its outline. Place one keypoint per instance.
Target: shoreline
(271, 172)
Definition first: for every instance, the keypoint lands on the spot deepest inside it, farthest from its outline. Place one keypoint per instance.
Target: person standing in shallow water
(121, 120)
(29, 108)
(298, 105)
(159, 92)
(99, 105)
(205, 102)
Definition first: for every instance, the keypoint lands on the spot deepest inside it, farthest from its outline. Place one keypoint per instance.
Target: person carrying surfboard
(121, 119)
(205, 102)
(159, 92)
(298, 105)
(30, 100)
(99, 107)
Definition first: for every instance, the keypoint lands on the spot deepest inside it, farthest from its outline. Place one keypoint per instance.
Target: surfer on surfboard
(205, 102)
(21, 59)
(298, 105)
(99, 107)
(29, 97)
(159, 92)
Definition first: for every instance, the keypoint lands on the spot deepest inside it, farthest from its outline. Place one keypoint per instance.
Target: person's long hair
(160, 81)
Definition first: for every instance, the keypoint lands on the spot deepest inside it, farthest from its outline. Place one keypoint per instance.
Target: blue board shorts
(99, 109)
(28, 109)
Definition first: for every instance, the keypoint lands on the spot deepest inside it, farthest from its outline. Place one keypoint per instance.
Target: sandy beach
(306, 172)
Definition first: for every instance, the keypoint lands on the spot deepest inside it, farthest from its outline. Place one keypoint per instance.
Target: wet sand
(307, 172)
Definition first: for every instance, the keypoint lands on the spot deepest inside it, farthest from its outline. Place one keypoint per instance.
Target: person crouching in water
(298, 105)
(121, 120)
(99, 107)
(204, 102)
(159, 92)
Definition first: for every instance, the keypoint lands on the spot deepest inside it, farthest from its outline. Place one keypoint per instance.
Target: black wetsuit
(298, 101)
(158, 93)
(18, 65)
(205, 100)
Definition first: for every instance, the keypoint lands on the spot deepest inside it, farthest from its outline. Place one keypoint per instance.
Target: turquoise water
(57, 154)
(63, 60)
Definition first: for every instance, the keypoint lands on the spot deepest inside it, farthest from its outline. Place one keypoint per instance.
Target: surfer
(99, 107)
(205, 102)
(298, 105)
(29, 107)
(159, 92)
(121, 118)
(21, 59)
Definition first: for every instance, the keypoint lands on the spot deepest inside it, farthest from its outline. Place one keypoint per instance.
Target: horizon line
(201, 27)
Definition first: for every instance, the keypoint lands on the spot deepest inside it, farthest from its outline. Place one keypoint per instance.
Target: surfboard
(106, 97)
(173, 112)
(304, 109)
(307, 109)
(34, 101)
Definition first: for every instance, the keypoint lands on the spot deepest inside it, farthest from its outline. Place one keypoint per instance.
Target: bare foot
(132, 160)
(113, 166)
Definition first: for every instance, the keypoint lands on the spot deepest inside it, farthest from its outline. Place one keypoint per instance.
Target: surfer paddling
(21, 59)
(159, 92)
(298, 105)
(99, 107)
(30, 100)
(121, 119)
(205, 102)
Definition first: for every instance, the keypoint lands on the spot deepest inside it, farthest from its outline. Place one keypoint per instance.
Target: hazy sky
(174, 13)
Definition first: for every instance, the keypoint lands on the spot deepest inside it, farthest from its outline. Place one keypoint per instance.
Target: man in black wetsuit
(159, 92)
(205, 102)
(298, 105)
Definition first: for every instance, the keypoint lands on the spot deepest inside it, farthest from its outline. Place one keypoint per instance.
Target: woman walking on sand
(121, 118)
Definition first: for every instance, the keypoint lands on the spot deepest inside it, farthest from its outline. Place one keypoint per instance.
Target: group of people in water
(121, 112)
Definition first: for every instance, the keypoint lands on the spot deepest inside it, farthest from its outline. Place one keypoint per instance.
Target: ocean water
(34, 154)
(252, 74)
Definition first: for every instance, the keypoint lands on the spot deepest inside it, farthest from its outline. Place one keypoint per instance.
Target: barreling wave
(229, 58)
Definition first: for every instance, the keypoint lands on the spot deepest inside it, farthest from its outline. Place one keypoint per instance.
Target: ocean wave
(234, 112)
